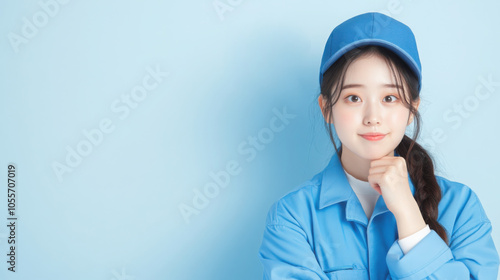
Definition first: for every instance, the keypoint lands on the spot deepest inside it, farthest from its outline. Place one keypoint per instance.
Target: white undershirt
(366, 194)
(368, 197)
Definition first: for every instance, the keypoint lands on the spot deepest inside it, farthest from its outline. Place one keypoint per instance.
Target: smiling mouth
(373, 136)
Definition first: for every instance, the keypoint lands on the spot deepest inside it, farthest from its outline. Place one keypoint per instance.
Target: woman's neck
(357, 167)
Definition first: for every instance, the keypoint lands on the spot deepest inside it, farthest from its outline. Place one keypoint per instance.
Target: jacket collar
(335, 188)
(334, 185)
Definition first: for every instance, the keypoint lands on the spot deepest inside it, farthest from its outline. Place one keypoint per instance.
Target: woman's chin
(376, 155)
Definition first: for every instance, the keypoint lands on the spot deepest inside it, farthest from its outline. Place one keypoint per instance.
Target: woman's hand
(389, 177)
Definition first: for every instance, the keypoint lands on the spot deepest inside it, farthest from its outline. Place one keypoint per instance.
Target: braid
(427, 191)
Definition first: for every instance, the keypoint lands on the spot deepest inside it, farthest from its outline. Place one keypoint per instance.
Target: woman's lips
(373, 136)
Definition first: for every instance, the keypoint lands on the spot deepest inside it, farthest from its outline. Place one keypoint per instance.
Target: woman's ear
(322, 103)
(417, 103)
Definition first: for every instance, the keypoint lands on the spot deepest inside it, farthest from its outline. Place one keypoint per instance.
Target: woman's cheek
(344, 123)
(344, 117)
(399, 120)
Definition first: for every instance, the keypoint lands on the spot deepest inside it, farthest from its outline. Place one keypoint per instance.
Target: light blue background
(116, 215)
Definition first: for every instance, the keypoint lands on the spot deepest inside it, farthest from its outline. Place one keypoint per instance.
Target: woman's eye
(353, 98)
(390, 98)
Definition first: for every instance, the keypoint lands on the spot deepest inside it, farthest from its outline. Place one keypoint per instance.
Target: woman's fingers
(389, 177)
(377, 170)
(389, 160)
(373, 180)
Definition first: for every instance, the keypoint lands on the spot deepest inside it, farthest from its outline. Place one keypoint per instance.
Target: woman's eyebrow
(392, 86)
(352, 86)
(363, 86)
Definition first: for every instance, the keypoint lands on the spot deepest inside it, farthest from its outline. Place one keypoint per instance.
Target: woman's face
(370, 117)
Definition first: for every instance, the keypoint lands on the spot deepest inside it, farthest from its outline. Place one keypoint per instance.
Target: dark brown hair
(418, 161)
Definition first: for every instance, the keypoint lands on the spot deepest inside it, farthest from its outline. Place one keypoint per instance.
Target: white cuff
(409, 242)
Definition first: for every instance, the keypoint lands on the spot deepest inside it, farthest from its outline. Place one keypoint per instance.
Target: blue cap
(372, 29)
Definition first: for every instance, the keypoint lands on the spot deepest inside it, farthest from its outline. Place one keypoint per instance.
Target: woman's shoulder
(296, 202)
(459, 204)
(454, 190)
(452, 187)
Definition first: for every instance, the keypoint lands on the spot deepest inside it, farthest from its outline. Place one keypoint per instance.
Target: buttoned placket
(355, 213)
(380, 209)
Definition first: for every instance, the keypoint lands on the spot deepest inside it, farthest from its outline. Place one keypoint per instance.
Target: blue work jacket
(320, 231)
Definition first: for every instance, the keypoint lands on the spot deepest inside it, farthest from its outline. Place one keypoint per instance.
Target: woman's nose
(372, 115)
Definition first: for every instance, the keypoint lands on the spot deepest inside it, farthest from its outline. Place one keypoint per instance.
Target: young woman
(377, 211)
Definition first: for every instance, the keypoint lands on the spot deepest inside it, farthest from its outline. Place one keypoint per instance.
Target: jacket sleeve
(471, 254)
(285, 252)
